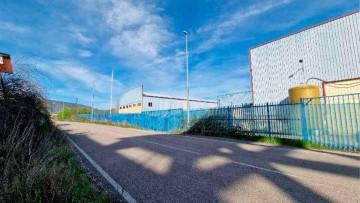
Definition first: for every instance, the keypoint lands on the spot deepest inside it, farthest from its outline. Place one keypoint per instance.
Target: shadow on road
(197, 170)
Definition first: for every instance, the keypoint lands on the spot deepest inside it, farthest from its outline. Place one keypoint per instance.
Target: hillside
(55, 107)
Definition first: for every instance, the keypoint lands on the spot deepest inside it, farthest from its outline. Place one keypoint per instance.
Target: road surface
(159, 167)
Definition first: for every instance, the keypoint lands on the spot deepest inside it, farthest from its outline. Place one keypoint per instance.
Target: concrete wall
(329, 51)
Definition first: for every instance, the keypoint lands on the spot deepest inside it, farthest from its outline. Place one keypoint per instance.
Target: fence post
(268, 118)
(303, 120)
(228, 119)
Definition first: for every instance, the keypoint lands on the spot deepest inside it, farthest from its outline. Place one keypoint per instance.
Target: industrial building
(136, 101)
(326, 55)
(235, 99)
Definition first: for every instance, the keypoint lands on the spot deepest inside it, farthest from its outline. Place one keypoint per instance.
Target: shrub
(70, 113)
(36, 164)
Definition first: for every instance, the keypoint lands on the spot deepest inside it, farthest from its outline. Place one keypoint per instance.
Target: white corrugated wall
(169, 103)
(329, 51)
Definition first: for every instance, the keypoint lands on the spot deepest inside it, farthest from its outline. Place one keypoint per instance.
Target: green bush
(70, 113)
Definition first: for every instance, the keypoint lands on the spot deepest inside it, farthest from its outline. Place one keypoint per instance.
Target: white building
(136, 101)
(328, 52)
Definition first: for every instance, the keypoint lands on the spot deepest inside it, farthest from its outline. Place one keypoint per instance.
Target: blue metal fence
(165, 120)
(331, 121)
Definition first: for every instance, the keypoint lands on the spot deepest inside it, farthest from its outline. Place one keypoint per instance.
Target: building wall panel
(329, 52)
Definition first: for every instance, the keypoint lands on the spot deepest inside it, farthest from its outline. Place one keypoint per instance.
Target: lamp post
(111, 88)
(187, 80)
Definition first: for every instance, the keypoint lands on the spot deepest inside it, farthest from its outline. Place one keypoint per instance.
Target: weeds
(214, 126)
(36, 164)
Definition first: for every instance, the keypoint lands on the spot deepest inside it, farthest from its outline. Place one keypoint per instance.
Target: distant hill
(55, 107)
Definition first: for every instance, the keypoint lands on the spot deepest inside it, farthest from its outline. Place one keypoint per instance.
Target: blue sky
(72, 43)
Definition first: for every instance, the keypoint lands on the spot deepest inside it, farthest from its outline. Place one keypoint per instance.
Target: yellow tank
(304, 91)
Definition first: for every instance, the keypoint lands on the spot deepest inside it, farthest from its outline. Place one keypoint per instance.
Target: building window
(150, 104)
(139, 104)
(127, 106)
(120, 107)
(134, 105)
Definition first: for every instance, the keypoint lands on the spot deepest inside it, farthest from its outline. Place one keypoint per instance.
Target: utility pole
(63, 109)
(111, 88)
(187, 80)
(92, 104)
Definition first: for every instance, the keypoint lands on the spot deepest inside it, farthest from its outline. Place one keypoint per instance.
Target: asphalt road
(158, 167)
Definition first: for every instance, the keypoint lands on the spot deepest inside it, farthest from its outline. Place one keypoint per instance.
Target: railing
(282, 120)
(331, 121)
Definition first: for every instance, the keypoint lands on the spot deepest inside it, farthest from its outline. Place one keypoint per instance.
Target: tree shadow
(173, 168)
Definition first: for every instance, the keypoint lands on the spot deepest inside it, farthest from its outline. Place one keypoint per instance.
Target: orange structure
(5, 64)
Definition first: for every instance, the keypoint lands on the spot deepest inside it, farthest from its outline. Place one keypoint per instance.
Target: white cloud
(79, 34)
(227, 23)
(85, 53)
(71, 72)
(10, 27)
(138, 31)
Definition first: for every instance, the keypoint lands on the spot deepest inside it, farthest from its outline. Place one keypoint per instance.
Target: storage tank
(304, 91)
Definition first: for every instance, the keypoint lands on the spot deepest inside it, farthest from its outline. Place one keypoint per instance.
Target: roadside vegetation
(70, 114)
(213, 126)
(210, 126)
(36, 163)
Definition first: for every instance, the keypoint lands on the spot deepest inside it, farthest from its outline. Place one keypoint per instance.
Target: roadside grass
(106, 122)
(213, 127)
(264, 139)
(82, 190)
(36, 162)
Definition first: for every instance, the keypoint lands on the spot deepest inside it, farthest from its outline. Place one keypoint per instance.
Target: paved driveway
(159, 167)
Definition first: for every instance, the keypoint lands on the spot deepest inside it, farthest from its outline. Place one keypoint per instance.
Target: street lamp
(300, 69)
(187, 80)
(303, 70)
(92, 103)
(111, 88)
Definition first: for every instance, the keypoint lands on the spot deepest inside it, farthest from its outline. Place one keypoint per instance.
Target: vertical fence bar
(336, 124)
(228, 119)
(357, 121)
(343, 144)
(347, 134)
(303, 120)
(268, 118)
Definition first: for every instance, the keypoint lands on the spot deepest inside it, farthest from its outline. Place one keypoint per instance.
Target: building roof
(302, 30)
(177, 98)
(5, 55)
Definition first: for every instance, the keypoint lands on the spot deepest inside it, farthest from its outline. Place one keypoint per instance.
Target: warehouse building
(326, 55)
(136, 101)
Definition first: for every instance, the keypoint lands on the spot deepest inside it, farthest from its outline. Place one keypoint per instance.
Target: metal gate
(332, 121)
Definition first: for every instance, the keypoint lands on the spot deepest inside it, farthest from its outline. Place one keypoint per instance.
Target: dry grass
(36, 164)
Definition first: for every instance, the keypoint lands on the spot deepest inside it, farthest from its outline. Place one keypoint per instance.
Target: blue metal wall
(332, 121)
(165, 121)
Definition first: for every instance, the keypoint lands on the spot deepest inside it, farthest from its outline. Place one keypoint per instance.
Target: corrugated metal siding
(234, 99)
(329, 51)
(165, 104)
(132, 96)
